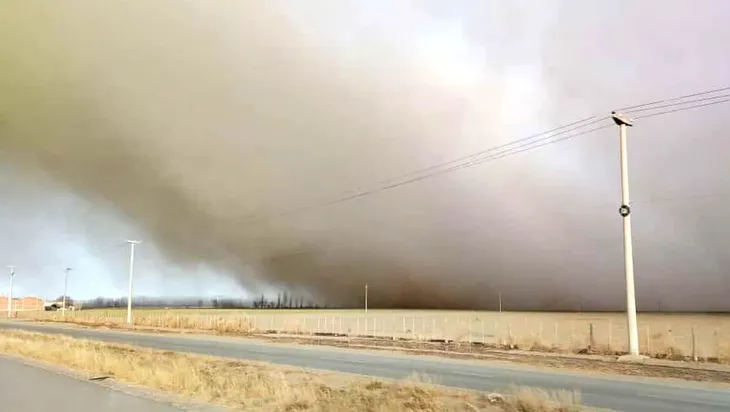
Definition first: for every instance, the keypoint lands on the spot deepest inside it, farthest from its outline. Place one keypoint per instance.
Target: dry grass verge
(263, 387)
(195, 323)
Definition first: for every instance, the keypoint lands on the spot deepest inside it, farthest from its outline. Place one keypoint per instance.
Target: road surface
(617, 393)
(30, 389)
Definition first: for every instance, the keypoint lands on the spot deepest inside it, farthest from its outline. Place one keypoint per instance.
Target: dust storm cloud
(203, 122)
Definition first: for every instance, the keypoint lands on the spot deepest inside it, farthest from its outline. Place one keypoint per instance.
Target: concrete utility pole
(65, 291)
(131, 277)
(625, 212)
(10, 294)
(366, 299)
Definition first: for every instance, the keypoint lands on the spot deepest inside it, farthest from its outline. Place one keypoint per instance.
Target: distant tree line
(283, 301)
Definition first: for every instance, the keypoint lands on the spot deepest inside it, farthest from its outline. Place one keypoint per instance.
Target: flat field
(660, 334)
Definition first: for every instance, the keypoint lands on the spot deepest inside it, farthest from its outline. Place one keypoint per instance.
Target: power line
(526, 146)
(509, 152)
(518, 146)
(431, 171)
(682, 109)
(674, 99)
(503, 150)
(491, 154)
(505, 153)
(576, 124)
(680, 103)
(508, 149)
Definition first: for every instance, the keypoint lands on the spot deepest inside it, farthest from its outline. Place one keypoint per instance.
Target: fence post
(509, 331)
(694, 344)
(572, 335)
(591, 339)
(497, 337)
(717, 344)
(648, 341)
(468, 326)
(484, 336)
(670, 335)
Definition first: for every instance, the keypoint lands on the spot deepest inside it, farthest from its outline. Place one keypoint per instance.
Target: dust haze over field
(201, 122)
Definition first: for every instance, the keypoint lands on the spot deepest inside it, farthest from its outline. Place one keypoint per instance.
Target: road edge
(179, 402)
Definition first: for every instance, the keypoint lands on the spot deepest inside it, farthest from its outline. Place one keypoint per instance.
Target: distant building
(58, 305)
(27, 303)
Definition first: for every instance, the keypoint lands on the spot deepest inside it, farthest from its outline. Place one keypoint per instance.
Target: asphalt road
(626, 394)
(29, 389)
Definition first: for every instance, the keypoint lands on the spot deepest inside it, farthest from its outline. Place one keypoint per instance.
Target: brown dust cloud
(223, 130)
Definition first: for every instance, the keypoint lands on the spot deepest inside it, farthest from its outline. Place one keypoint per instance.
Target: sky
(219, 132)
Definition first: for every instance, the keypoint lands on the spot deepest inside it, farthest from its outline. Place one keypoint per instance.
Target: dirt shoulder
(594, 363)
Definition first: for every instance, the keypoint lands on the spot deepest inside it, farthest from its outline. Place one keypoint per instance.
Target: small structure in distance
(28, 303)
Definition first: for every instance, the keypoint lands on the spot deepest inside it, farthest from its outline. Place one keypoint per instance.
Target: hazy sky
(193, 125)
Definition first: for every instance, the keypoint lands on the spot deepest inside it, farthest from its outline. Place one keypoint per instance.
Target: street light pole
(131, 277)
(65, 291)
(10, 293)
(625, 212)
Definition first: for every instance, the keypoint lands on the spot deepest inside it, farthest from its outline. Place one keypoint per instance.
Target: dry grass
(163, 320)
(263, 387)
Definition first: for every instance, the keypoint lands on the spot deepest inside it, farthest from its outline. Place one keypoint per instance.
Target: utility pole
(366, 299)
(625, 212)
(65, 291)
(500, 302)
(131, 277)
(10, 294)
